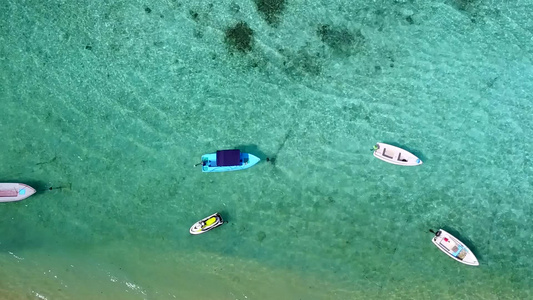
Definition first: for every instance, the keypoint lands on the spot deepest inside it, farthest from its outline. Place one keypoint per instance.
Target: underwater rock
(303, 63)
(240, 37)
(194, 15)
(234, 7)
(464, 5)
(271, 10)
(261, 236)
(341, 40)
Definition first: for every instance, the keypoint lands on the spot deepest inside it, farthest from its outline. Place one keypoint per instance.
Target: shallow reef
(240, 37)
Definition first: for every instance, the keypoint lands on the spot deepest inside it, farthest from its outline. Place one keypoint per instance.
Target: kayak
(454, 248)
(206, 224)
(10, 192)
(395, 155)
(228, 160)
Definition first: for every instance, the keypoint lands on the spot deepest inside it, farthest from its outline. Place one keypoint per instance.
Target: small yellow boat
(206, 224)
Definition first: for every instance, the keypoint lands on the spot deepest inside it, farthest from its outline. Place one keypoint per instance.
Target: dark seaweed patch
(271, 10)
(261, 236)
(198, 34)
(194, 15)
(340, 40)
(240, 37)
(234, 7)
(464, 5)
(353, 112)
(303, 63)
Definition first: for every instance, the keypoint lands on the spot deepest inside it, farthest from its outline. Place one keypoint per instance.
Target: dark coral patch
(198, 34)
(261, 236)
(194, 15)
(464, 5)
(271, 10)
(339, 39)
(303, 63)
(335, 38)
(240, 37)
(234, 7)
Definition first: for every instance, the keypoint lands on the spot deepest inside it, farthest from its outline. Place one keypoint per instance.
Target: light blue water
(113, 103)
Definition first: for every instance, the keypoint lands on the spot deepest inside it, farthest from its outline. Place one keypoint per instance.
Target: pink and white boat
(10, 192)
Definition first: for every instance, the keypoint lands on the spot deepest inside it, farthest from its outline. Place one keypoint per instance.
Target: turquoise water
(112, 104)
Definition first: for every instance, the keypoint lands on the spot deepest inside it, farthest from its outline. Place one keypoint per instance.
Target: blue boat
(228, 160)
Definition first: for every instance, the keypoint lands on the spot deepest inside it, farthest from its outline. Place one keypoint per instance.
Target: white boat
(454, 248)
(227, 160)
(206, 224)
(395, 155)
(10, 192)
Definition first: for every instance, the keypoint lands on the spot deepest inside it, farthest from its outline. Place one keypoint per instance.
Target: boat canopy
(456, 250)
(9, 193)
(226, 158)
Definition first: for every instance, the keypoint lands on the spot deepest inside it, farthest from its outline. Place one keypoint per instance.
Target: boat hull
(395, 155)
(10, 192)
(209, 163)
(454, 248)
(204, 225)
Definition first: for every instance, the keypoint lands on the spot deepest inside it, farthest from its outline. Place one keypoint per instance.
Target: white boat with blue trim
(228, 160)
(454, 248)
(10, 192)
(395, 155)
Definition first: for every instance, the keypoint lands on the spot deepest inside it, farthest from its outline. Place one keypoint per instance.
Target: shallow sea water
(112, 104)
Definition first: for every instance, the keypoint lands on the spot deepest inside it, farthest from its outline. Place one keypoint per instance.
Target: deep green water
(113, 103)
